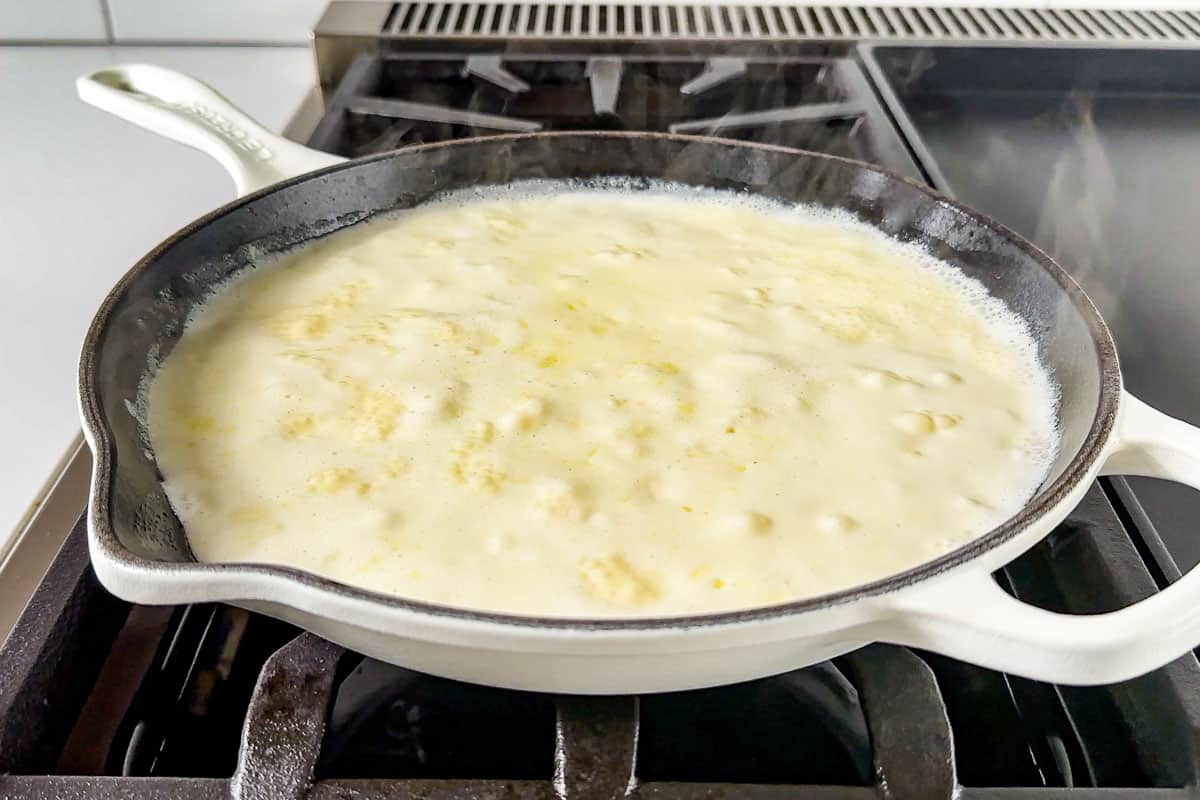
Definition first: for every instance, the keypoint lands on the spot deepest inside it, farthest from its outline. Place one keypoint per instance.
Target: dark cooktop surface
(1095, 156)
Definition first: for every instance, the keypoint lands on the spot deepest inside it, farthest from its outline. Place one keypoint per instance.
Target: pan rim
(105, 543)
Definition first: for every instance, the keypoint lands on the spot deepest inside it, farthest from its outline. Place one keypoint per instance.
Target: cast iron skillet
(949, 605)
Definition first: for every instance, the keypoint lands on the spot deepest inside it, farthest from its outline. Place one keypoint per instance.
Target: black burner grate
(317, 722)
(591, 744)
(825, 104)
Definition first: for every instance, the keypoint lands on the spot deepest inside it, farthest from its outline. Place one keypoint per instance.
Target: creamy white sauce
(600, 403)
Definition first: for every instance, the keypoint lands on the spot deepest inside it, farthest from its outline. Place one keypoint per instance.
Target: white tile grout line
(107, 17)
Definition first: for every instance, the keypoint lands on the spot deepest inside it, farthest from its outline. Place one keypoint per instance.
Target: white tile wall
(88, 195)
(41, 20)
(275, 21)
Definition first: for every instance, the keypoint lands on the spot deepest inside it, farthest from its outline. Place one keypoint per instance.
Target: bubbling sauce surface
(573, 402)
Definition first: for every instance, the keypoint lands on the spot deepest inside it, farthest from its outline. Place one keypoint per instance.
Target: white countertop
(85, 195)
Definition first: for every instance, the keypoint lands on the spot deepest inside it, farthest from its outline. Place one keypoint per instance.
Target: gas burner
(389, 722)
(388, 101)
(807, 726)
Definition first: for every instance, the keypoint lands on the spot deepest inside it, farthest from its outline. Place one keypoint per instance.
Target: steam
(1080, 200)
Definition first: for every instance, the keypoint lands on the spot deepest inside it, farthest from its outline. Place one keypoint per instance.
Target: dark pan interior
(144, 316)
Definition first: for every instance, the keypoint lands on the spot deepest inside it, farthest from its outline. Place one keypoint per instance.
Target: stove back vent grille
(708, 22)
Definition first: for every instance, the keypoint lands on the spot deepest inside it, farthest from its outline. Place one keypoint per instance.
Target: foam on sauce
(599, 402)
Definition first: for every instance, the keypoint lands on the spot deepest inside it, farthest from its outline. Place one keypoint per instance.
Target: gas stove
(800, 101)
(102, 698)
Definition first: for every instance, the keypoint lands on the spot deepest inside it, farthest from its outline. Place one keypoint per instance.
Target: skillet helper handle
(192, 113)
(970, 617)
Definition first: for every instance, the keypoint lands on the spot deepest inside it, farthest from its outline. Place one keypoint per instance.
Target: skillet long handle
(970, 617)
(191, 112)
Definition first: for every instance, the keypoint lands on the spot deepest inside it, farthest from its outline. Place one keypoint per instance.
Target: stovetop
(102, 698)
(813, 103)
